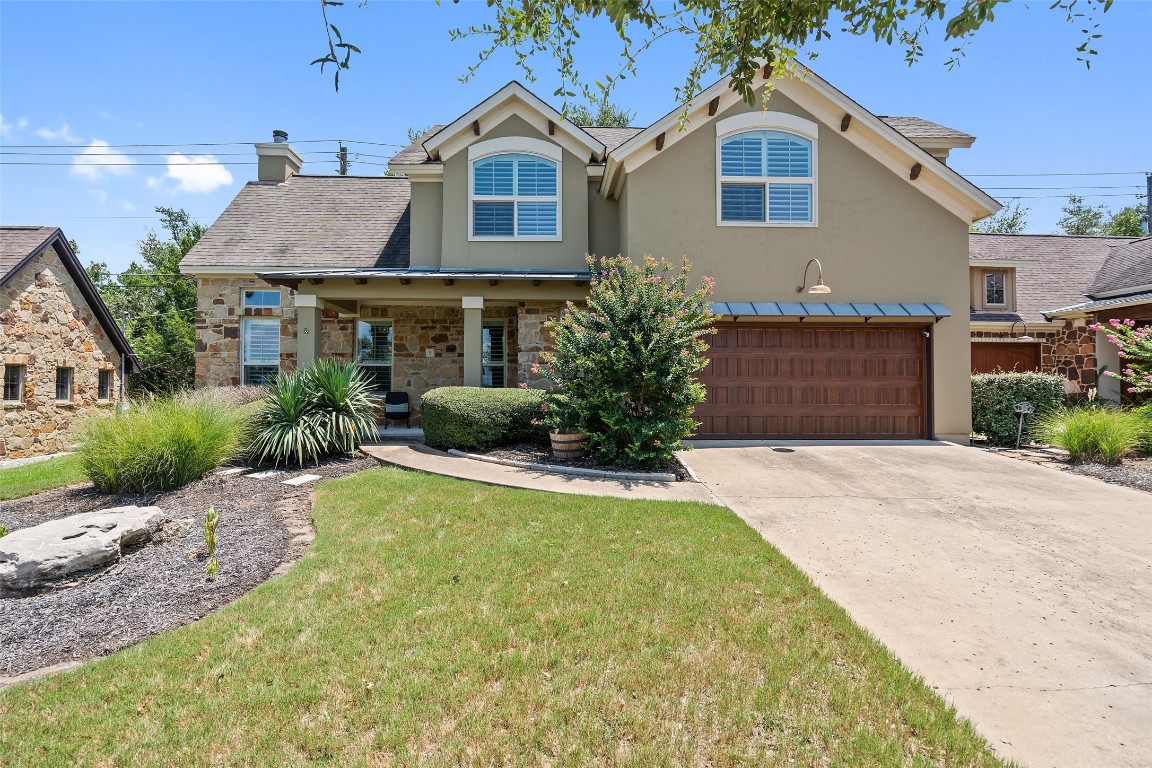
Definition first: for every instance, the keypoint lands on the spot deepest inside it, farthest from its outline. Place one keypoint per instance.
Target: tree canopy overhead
(730, 36)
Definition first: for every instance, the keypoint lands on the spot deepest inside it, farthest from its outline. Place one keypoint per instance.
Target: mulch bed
(264, 526)
(539, 454)
(1133, 473)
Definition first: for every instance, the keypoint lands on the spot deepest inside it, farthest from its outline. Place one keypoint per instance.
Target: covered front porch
(416, 330)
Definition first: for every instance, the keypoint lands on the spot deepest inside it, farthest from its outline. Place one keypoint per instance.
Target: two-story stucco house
(446, 272)
(63, 355)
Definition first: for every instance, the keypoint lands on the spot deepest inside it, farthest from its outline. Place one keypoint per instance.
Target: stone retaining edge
(658, 477)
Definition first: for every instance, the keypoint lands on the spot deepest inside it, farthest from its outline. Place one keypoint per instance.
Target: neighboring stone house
(447, 271)
(1015, 282)
(62, 353)
(1120, 290)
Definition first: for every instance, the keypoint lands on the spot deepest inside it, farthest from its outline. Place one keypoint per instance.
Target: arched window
(514, 195)
(767, 170)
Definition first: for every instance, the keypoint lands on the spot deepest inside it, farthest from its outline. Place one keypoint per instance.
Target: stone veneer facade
(45, 323)
(1069, 350)
(415, 330)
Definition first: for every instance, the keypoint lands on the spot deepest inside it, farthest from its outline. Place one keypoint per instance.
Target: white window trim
(71, 383)
(519, 145)
(21, 375)
(391, 364)
(503, 363)
(244, 299)
(984, 285)
(771, 121)
(279, 350)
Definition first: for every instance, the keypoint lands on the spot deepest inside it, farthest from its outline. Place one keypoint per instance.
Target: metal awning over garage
(804, 309)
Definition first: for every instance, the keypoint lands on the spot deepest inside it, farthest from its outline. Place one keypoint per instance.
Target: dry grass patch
(443, 623)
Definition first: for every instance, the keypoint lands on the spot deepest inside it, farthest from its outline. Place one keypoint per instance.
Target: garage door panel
(808, 382)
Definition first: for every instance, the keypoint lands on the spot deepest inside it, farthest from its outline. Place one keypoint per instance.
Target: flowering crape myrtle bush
(1135, 349)
(625, 365)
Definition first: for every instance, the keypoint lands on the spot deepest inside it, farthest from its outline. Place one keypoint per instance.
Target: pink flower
(523, 385)
(544, 406)
(535, 422)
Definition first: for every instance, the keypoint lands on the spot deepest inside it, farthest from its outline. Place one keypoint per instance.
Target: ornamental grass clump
(161, 444)
(313, 412)
(625, 366)
(1093, 433)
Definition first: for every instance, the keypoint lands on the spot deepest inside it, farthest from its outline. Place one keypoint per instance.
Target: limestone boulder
(32, 558)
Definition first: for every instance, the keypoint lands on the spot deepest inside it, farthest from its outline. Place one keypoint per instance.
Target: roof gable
(872, 135)
(1128, 269)
(512, 99)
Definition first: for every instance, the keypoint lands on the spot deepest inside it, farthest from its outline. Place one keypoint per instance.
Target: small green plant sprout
(211, 520)
(3, 531)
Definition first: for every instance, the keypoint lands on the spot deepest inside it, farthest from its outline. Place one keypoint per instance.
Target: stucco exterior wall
(427, 223)
(45, 323)
(878, 237)
(459, 252)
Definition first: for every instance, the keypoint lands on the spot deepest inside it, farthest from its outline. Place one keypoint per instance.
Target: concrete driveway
(1022, 593)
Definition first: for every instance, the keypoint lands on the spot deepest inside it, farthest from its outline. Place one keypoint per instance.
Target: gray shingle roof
(1093, 306)
(17, 243)
(414, 153)
(610, 136)
(1053, 270)
(1128, 266)
(919, 128)
(311, 221)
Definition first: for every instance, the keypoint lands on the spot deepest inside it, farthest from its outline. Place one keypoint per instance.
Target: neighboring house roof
(20, 245)
(310, 221)
(1118, 302)
(1051, 270)
(1127, 269)
(919, 128)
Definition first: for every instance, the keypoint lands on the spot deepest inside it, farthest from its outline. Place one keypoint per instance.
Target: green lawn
(38, 476)
(436, 622)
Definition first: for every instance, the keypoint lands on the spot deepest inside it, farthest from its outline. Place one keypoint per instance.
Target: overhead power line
(204, 144)
(1078, 173)
(1122, 186)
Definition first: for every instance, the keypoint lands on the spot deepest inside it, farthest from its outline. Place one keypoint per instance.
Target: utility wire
(1098, 173)
(1123, 186)
(204, 144)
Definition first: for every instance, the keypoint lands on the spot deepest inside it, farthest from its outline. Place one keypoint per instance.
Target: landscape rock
(31, 558)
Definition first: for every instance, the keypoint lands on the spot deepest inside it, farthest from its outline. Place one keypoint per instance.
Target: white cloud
(127, 206)
(64, 133)
(196, 173)
(98, 160)
(100, 195)
(153, 182)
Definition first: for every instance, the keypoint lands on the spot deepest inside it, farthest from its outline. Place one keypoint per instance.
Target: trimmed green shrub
(626, 365)
(1092, 432)
(313, 412)
(161, 444)
(994, 395)
(477, 418)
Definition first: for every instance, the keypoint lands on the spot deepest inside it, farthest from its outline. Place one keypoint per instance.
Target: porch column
(307, 329)
(473, 340)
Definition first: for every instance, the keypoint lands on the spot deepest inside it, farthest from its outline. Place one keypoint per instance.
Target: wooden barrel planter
(569, 443)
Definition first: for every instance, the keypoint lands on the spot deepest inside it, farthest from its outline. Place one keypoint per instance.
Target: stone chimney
(276, 160)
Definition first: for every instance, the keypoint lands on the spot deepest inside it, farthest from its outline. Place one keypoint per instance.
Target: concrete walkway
(437, 463)
(1022, 593)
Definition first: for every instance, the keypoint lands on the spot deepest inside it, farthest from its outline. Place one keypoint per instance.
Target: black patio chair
(396, 408)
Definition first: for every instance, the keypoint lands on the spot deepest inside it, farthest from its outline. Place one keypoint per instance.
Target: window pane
(63, 383)
(13, 382)
(742, 155)
(492, 343)
(493, 175)
(261, 342)
(493, 376)
(261, 298)
(742, 202)
(788, 155)
(373, 342)
(379, 377)
(104, 387)
(535, 176)
(259, 375)
(536, 219)
(994, 288)
(790, 202)
(492, 219)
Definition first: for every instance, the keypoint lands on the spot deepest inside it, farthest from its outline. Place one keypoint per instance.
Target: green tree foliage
(415, 134)
(601, 113)
(1011, 220)
(1083, 219)
(625, 365)
(158, 304)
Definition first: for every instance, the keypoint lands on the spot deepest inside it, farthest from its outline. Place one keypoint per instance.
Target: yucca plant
(342, 402)
(287, 427)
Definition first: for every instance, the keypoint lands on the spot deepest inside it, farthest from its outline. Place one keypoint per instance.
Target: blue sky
(86, 75)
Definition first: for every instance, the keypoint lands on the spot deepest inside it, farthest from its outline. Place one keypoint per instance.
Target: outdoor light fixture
(819, 287)
(1025, 337)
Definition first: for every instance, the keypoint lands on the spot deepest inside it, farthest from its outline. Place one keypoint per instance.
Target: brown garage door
(989, 356)
(780, 382)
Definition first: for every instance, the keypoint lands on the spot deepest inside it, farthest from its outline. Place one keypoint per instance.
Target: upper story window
(766, 165)
(261, 299)
(995, 289)
(514, 195)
